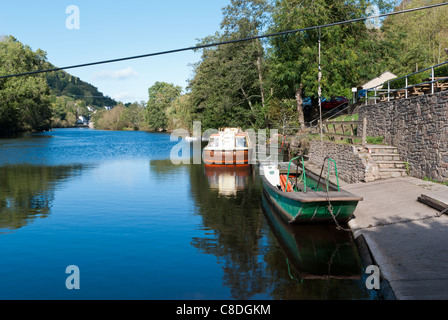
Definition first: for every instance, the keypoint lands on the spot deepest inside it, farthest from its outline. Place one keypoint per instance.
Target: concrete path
(407, 239)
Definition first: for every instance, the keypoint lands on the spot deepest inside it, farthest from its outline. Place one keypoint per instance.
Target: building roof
(379, 80)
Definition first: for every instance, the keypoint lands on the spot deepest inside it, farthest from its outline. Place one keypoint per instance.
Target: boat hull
(226, 157)
(311, 249)
(311, 207)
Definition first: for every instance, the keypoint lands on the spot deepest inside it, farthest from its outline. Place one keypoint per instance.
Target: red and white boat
(228, 147)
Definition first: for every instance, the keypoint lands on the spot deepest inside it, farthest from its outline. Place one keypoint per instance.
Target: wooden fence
(345, 130)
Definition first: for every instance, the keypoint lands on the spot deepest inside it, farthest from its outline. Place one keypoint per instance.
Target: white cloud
(125, 97)
(116, 75)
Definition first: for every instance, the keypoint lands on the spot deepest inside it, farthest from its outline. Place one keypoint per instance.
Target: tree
(180, 113)
(161, 97)
(228, 86)
(246, 18)
(350, 52)
(24, 101)
(416, 39)
(134, 116)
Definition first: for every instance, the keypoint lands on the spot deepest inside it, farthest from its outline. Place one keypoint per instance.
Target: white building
(82, 120)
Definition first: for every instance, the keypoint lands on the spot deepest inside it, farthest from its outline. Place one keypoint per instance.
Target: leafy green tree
(228, 86)
(134, 116)
(161, 96)
(122, 117)
(351, 52)
(64, 106)
(180, 114)
(24, 101)
(416, 40)
(71, 119)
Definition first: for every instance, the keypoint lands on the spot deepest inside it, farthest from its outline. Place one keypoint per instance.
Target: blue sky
(116, 29)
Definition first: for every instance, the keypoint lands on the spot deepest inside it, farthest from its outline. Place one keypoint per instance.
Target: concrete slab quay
(408, 240)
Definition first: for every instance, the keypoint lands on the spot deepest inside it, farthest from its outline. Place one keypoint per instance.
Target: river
(139, 227)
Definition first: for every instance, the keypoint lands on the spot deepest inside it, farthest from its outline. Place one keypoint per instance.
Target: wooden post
(364, 131)
(432, 80)
(406, 87)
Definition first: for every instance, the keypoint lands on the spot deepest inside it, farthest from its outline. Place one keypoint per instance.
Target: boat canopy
(229, 138)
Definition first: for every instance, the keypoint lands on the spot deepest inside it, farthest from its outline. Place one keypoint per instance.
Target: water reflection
(165, 167)
(27, 192)
(322, 255)
(316, 251)
(260, 255)
(234, 228)
(228, 180)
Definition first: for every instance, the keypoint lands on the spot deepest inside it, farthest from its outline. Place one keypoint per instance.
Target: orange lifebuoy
(286, 186)
(282, 182)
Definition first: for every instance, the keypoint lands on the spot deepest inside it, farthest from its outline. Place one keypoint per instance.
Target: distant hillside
(63, 84)
(44, 101)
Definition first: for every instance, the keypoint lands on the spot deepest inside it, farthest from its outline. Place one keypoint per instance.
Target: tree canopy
(161, 96)
(416, 40)
(24, 101)
(257, 83)
(228, 88)
(40, 101)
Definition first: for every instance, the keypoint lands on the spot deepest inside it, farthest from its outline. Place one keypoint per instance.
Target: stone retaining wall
(352, 161)
(418, 127)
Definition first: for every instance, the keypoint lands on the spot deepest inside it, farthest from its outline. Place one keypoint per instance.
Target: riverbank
(404, 237)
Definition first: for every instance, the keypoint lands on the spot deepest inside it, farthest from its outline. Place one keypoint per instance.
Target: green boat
(318, 251)
(304, 197)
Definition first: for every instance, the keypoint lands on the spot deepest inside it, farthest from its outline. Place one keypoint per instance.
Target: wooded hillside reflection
(27, 192)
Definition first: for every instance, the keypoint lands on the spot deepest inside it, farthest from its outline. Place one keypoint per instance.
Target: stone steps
(385, 157)
(372, 149)
(385, 164)
(389, 161)
(392, 173)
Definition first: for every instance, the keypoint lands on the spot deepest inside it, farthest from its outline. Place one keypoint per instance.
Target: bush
(414, 79)
(375, 140)
(441, 71)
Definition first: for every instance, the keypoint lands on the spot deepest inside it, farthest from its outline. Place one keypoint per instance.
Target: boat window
(240, 142)
(214, 142)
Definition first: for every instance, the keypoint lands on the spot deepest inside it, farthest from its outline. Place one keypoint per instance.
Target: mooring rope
(330, 207)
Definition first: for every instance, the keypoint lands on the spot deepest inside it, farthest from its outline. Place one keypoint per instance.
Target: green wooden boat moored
(304, 197)
(320, 251)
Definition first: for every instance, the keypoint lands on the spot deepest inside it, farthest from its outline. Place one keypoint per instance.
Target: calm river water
(139, 227)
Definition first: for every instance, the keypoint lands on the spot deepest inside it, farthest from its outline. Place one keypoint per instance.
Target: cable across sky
(203, 46)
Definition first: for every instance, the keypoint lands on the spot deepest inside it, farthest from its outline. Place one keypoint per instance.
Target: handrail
(411, 74)
(336, 173)
(303, 173)
(328, 176)
(408, 75)
(412, 86)
(329, 111)
(406, 87)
